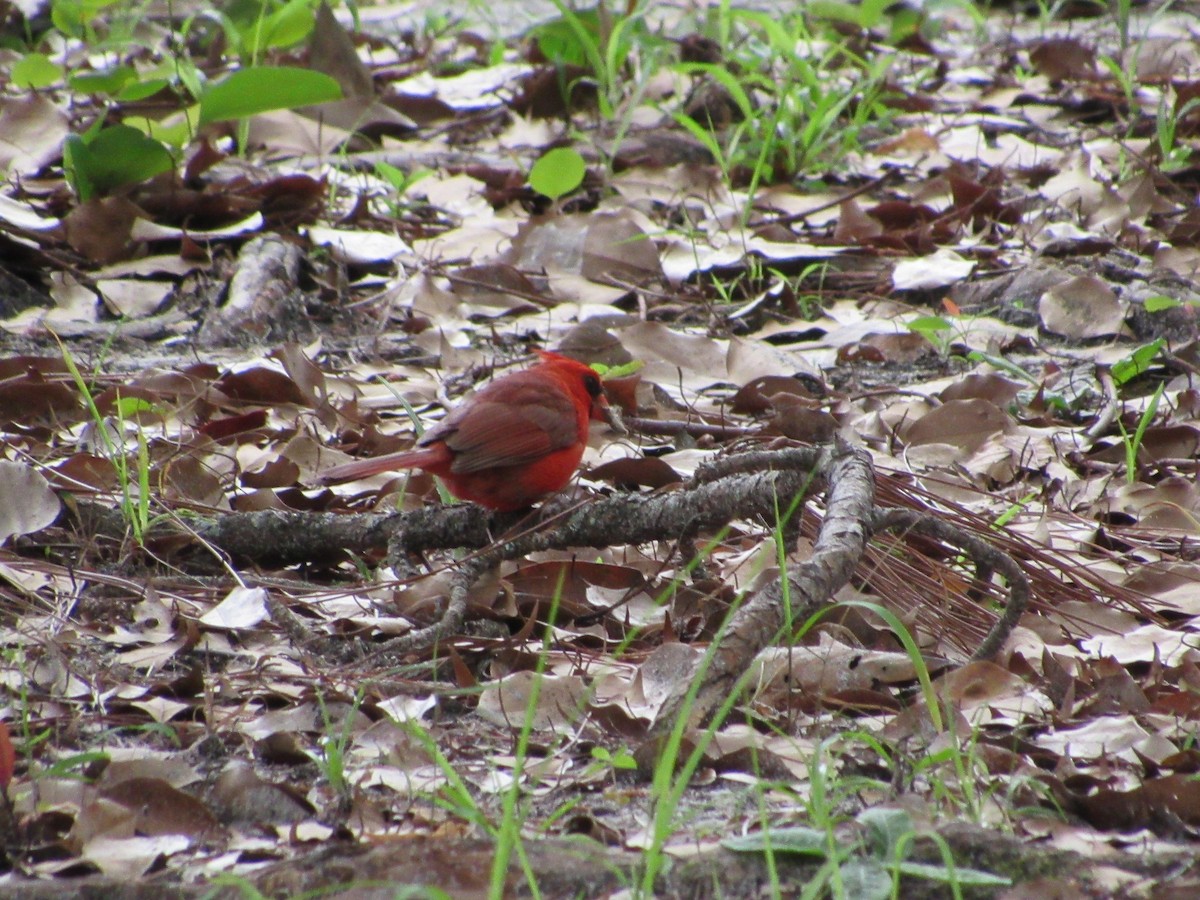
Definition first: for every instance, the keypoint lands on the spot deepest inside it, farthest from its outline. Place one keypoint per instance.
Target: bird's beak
(602, 411)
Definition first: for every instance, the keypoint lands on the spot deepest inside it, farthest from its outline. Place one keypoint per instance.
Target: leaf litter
(953, 294)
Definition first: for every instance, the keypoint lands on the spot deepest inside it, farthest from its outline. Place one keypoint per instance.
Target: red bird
(515, 441)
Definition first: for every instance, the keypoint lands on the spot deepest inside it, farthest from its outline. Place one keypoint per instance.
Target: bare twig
(986, 558)
(670, 427)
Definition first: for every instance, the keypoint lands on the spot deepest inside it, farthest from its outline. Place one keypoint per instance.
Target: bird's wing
(519, 425)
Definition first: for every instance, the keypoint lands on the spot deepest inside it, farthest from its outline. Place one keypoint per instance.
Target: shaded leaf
(115, 156)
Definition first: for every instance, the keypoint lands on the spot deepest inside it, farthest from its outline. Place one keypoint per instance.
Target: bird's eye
(592, 385)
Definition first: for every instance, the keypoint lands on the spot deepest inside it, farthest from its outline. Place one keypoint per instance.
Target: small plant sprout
(1175, 156)
(335, 743)
(400, 182)
(558, 172)
(935, 329)
(132, 478)
(1133, 442)
(866, 859)
(606, 46)
(1138, 362)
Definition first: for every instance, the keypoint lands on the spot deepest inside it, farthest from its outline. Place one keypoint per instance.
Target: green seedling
(1160, 303)
(1136, 363)
(619, 761)
(870, 864)
(1133, 443)
(77, 18)
(132, 478)
(604, 45)
(334, 744)
(252, 28)
(935, 329)
(1175, 156)
(399, 181)
(798, 111)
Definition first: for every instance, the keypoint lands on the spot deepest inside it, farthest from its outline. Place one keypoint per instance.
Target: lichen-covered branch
(810, 585)
(754, 485)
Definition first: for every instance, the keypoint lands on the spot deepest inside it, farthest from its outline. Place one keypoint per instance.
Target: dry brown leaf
(27, 502)
(1082, 308)
(34, 128)
(965, 424)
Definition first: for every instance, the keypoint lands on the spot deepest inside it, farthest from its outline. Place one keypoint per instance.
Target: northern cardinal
(515, 441)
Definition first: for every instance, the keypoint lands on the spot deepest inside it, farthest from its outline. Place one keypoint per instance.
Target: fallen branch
(810, 585)
(636, 518)
(754, 485)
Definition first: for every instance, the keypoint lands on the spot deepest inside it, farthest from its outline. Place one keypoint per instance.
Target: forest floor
(962, 242)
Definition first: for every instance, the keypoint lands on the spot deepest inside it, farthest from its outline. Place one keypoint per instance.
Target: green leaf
(107, 81)
(798, 839)
(961, 876)
(1158, 303)
(127, 407)
(258, 89)
(394, 176)
(558, 172)
(885, 827)
(35, 71)
(566, 41)
(400, 180)
(72, 17)
(860, 15)
(1137, 362)
(113, 157)
(904, 24)
(622, 759)
(928, 323)
(75, 167)
(189, 76)
(285, 27)
(140, 90)
(866, 879)
(175, 130)
(73, 766)
(123, 155)
(928, 326)
(621, 371)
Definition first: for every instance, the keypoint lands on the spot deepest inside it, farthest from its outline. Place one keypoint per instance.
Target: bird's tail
(365, 468)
